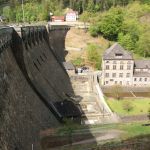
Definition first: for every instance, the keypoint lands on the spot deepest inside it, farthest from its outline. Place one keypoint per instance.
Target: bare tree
(116, 91)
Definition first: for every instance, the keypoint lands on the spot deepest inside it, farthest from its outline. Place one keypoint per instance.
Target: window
(121, 82)
(128, 67)
(111, 80)
(107, 75)
(121, 67)
(120, 75)
(107, 67)
(115, 82)
(106, 82)
(114, 75)
(145, 79)
(129, 62)
(114, 62)
(114, 67)
(128, 75)
(121, 62)
(107, 61)
(140, 79)
(134, 79)
(127, 82)
(118, 55)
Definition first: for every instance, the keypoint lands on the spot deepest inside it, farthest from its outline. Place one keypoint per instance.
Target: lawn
(139, 106)
(134, 129)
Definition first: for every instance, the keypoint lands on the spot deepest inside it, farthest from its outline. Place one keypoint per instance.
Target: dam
(33, 85)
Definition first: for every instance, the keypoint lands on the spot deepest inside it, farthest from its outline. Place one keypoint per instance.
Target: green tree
(6, 12)
(94, 30)
(148, 115)
(91, 6)
(127, 105)
(126, 41)
(111, 23)
(78, 61)
(93, 56)
(143, 45)
(85, 16)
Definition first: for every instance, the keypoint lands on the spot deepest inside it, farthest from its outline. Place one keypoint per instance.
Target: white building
(72, 15)
(119, 67)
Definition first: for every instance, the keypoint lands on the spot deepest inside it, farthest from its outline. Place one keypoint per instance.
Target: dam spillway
(33, 82)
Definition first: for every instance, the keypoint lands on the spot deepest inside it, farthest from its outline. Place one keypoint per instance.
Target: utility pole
(22, 11)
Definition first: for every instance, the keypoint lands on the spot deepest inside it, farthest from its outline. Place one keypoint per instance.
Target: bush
(78, 62)
(127, 106)
(93, 56)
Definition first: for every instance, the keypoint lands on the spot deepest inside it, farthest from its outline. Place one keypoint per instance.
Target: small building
(119, 67)
(71, 15)
(58, 18)
(69, 67)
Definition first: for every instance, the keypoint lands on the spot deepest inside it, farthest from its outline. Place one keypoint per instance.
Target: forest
(37, 10)
(129, 26)
(124, 21)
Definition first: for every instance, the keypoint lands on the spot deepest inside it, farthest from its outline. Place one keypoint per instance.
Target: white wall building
(119, 67)
(72, 16)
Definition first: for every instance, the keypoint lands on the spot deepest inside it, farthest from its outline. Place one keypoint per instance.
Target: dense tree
(143, 45)
(126, 26)
(126, 41)
(111, 23)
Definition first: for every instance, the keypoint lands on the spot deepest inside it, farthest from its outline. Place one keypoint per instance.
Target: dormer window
(118, 55)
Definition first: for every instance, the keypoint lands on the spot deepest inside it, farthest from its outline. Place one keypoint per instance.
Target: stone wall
(59, 49)
(31, 79)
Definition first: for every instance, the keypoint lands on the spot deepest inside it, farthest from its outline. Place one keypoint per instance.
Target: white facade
(117, 72)
(122, 70)
(71, 16)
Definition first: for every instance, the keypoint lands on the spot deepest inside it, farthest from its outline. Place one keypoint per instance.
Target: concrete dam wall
(33, 83)
(59, 49)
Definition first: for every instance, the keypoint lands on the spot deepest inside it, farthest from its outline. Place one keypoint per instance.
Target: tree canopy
(127, 26)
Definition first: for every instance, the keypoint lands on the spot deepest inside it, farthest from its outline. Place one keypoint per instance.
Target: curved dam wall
(31, 81)
(57, 40)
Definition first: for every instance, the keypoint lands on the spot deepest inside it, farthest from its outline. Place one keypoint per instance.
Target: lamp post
(22, 10)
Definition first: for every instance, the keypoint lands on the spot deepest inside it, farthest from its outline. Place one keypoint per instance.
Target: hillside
(77, 43)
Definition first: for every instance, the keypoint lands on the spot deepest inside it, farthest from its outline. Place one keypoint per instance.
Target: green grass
(140, 106)
(134, 129)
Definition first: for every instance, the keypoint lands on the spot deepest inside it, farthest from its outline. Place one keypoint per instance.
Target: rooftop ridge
(116, 48)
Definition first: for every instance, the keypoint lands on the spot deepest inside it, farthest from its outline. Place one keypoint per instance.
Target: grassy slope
(77, 38)
(128, 130)
(140, 106)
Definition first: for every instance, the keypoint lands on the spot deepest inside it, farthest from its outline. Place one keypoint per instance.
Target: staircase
(95, 109)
